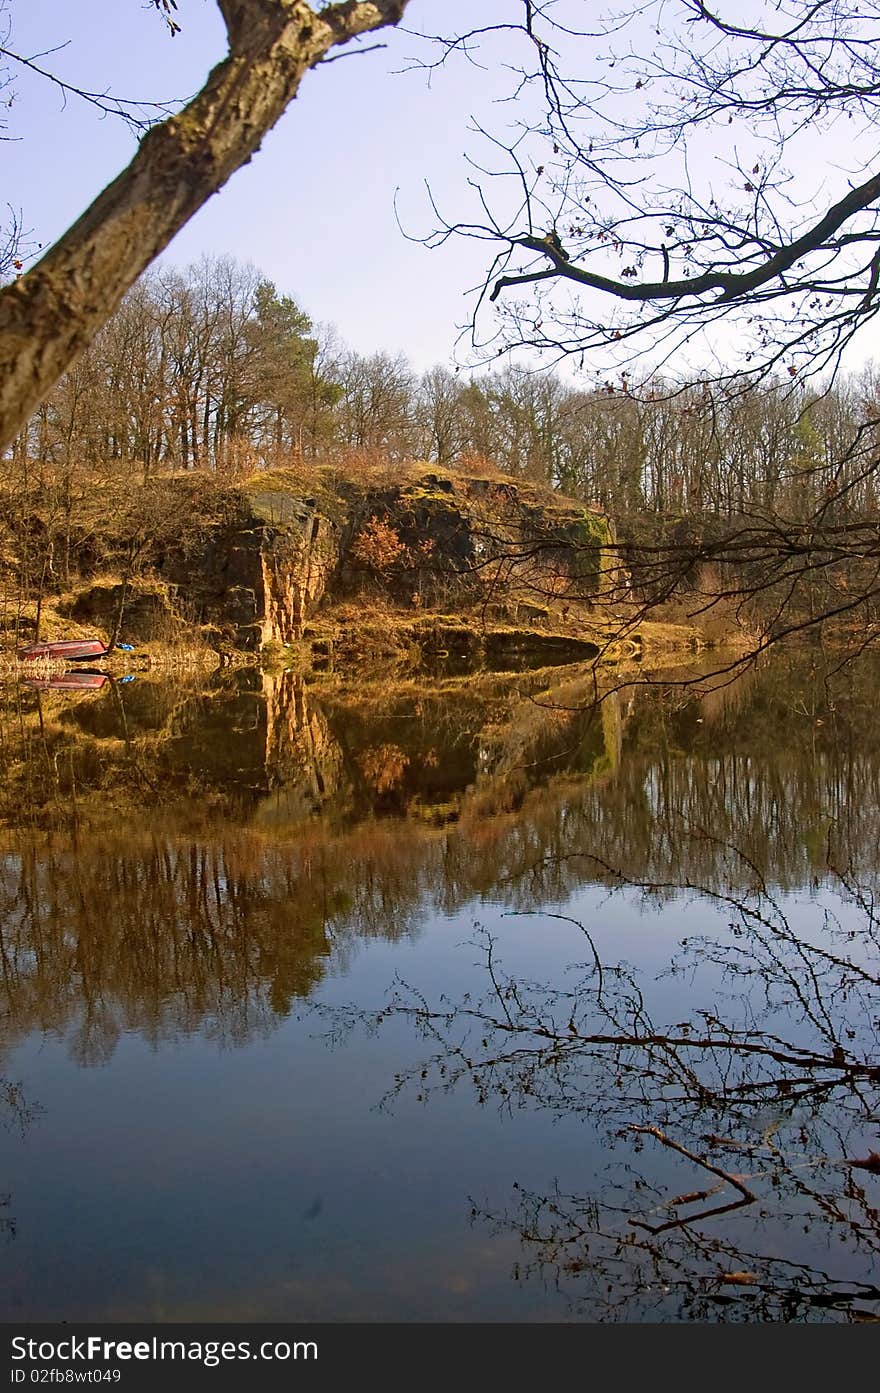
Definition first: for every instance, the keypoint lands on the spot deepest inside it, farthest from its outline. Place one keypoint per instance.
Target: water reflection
(203, 853)
(195, 860)
(758, 1109)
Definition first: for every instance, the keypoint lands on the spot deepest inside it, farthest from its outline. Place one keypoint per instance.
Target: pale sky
(315, 208)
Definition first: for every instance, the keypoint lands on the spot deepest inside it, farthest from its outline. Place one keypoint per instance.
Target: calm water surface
(455, 1001)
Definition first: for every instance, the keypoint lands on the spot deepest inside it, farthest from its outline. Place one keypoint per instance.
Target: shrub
(378, 545)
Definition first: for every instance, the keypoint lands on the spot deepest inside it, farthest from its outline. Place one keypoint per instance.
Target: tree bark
(49, 316)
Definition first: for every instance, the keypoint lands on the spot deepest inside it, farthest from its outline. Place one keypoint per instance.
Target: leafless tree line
(212, 367)
(766, 496)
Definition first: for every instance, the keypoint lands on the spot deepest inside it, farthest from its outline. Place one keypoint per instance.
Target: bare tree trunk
(48, 316)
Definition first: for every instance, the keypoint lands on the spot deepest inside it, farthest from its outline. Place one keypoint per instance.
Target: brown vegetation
(447, 494)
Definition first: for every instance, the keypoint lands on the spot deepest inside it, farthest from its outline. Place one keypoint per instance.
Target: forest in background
(212, 369)
(753, 483)
(212, 374)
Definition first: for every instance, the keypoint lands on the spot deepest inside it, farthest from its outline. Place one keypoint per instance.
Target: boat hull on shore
(69, 650)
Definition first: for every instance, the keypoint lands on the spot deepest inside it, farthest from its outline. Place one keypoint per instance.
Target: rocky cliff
(425, 541)
(253, 564)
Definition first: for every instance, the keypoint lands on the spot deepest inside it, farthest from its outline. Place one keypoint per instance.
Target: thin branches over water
(734, 1149)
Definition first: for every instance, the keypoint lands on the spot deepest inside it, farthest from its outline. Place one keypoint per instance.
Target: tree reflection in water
(765, 1104)
(167, 879)
(17, 1113)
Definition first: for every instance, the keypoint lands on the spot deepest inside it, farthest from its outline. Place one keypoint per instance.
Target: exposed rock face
(257, 575)
(255, 579)
(149, 611)
(473, 540)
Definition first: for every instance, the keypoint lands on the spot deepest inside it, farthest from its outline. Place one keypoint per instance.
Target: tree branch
(733, 285)
(48, 316)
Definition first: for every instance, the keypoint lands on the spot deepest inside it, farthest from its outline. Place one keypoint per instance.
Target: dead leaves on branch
(167, 9)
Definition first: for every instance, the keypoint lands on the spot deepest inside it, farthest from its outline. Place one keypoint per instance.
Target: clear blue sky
(315, 208)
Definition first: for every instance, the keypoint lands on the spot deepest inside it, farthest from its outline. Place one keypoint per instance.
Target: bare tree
(376, 406)
(675, 169)
(439, 416)
(683, 202)
(49, 315)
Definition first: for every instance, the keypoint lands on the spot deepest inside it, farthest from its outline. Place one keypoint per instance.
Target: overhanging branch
(733, 285)
(48, 316)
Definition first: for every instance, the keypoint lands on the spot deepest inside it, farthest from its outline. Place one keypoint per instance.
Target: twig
(747, 1195)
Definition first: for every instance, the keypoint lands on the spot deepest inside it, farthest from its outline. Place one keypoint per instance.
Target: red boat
(68, 650)
(68, 682)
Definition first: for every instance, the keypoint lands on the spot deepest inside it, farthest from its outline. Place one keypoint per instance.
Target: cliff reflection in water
(180, 858)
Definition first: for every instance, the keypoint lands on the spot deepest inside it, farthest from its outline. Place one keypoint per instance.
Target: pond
(473, 1000)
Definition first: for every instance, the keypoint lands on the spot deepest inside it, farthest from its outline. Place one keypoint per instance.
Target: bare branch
(48, 316)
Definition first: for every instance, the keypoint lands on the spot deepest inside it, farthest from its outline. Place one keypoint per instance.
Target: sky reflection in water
(207, 894)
